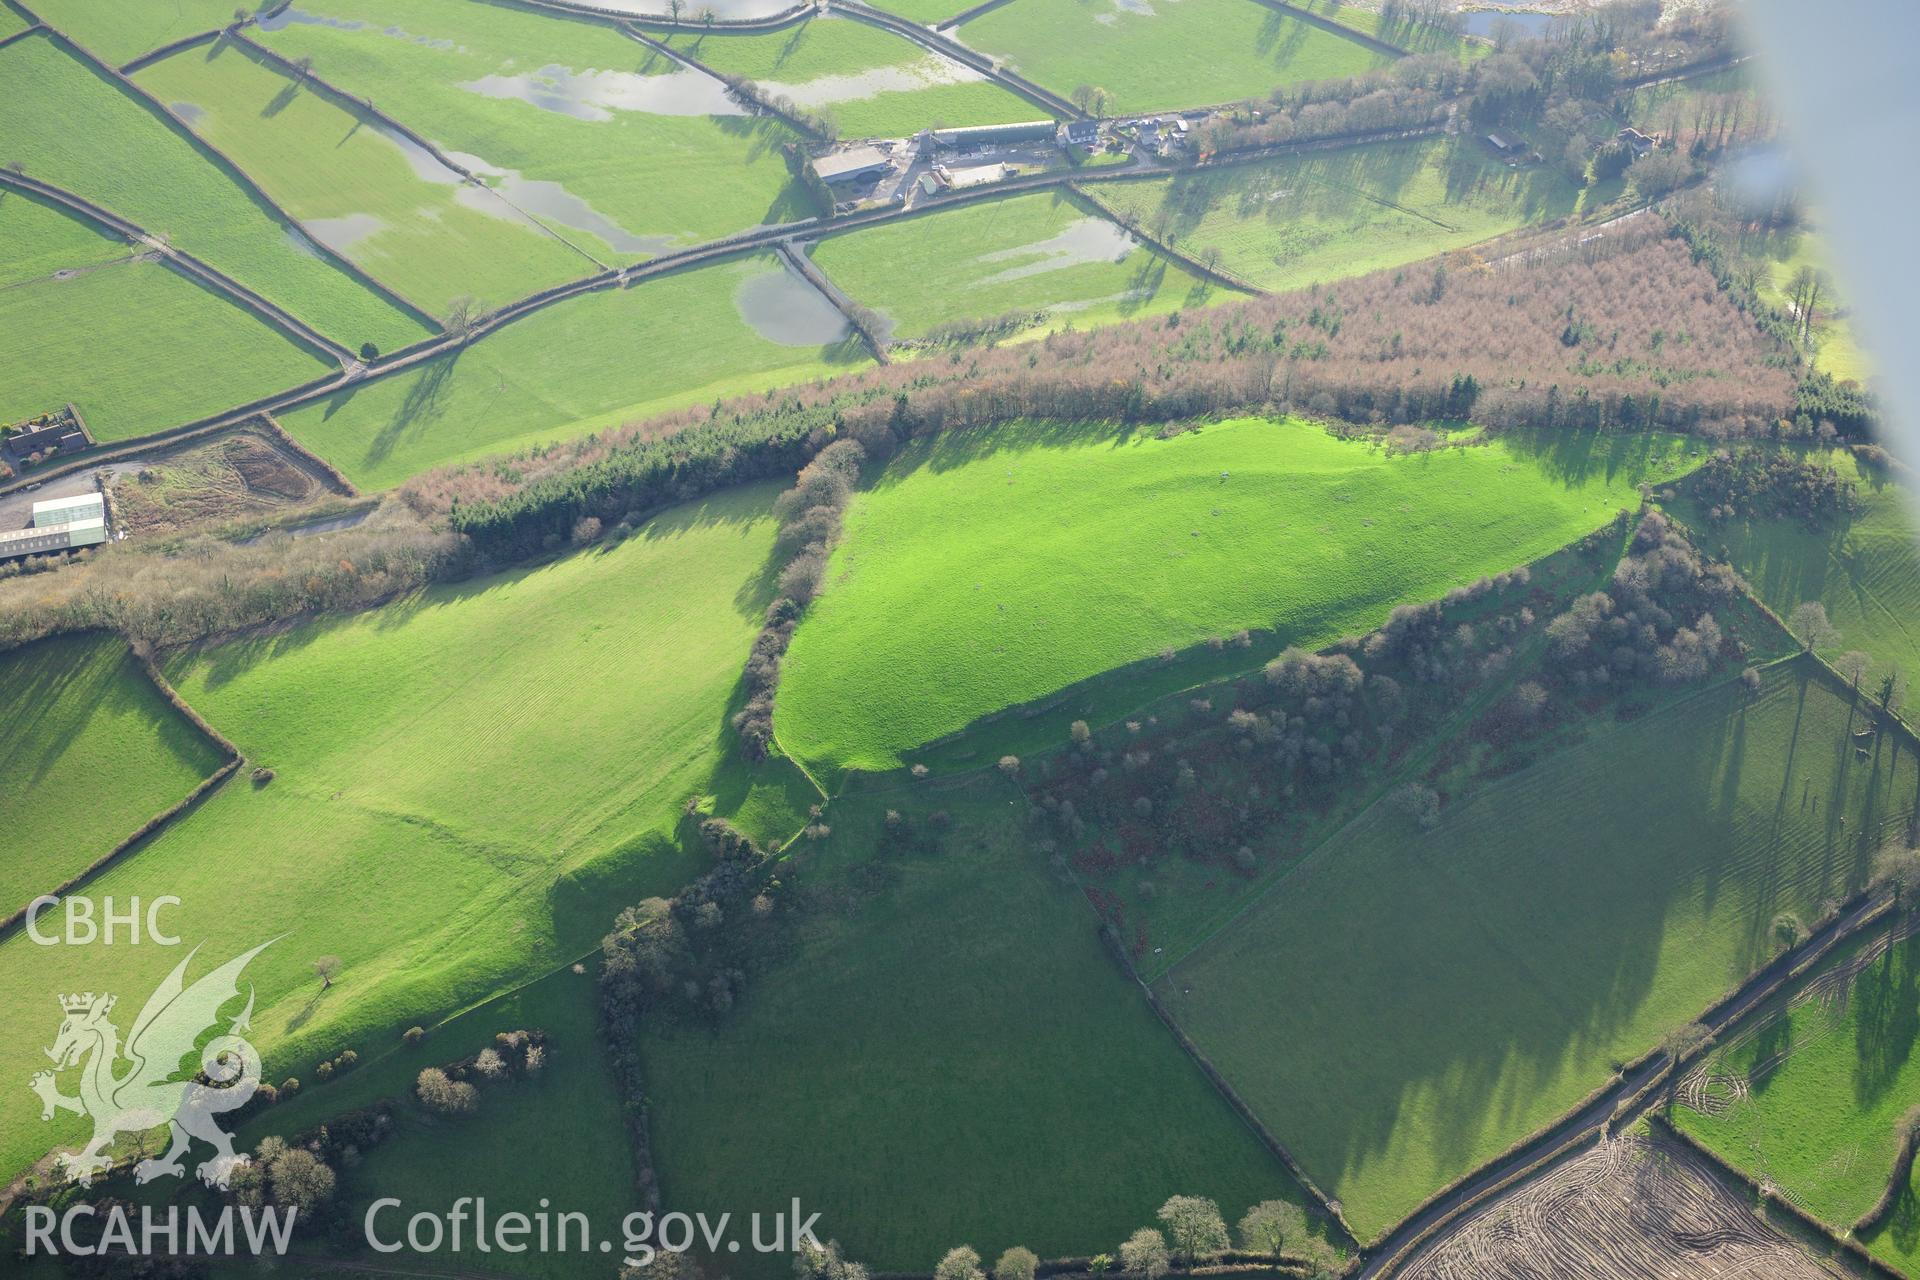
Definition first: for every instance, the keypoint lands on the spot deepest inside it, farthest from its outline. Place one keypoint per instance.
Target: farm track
(185, 262)
(1630, 1096)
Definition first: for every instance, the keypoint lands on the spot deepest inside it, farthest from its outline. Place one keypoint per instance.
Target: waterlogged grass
(1042, 259)
(992, 568)
(467, 783)
(942, 1011)
(70, 125)
(1285, 224)
(1155, 54)
(589, 362)
(1865, 569)
(139, 348)
(41, 239)
(645, 154)
(93, 751)
(120, 32)
(1407, 1005)
(870, 82)
(1821, 1117)
(378, 199)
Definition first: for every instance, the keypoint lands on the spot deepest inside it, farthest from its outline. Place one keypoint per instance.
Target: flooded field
(595, 95)
(924, 73)
(303, 17)
(783, 306)
(540, 198)
(1081, 241)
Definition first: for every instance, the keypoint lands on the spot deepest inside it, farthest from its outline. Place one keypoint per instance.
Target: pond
(1528, 24)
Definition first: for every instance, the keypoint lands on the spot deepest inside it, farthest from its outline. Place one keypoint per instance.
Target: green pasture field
(92, 752)
(872, 83)
(991, 568)
(1412, 36)
(1048, 257)
(560, 1135)
(1822, 1122)
(1404, 1006)
(120, 32)
(139, 348)
(70, 125)
(408, 221)
(467, 784)
(1865, 570)
(1285, 224)
(41, 239)
(628, 156)
(603, 358)
(1181, 53)
(10, 21)
(943, 1011)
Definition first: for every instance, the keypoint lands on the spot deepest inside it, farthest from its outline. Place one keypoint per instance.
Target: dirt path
(1610, 1110)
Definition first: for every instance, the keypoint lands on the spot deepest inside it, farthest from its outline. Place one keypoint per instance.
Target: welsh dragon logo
(151, 1090)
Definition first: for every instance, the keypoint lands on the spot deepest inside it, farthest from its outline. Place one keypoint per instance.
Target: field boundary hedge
(1766, 1196)
(22, 34)
(166, 817)
(1358, 37)
(1219, 275)
(1326, 1205)
(332, 474)
(165, 51)
(841, 301)
(930, 39)
(159, 111)
(206, 273)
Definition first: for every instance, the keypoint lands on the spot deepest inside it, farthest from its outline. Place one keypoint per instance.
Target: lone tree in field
(1810, 626)
(1270, 1224)
(1892, 687)
(1017, 1263)
(1145, 1254)
(1853, 665)
(1195, 1227)
(960, 1264)
(326, 967)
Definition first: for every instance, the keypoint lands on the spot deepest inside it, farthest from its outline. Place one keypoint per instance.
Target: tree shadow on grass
(1886, 1020)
